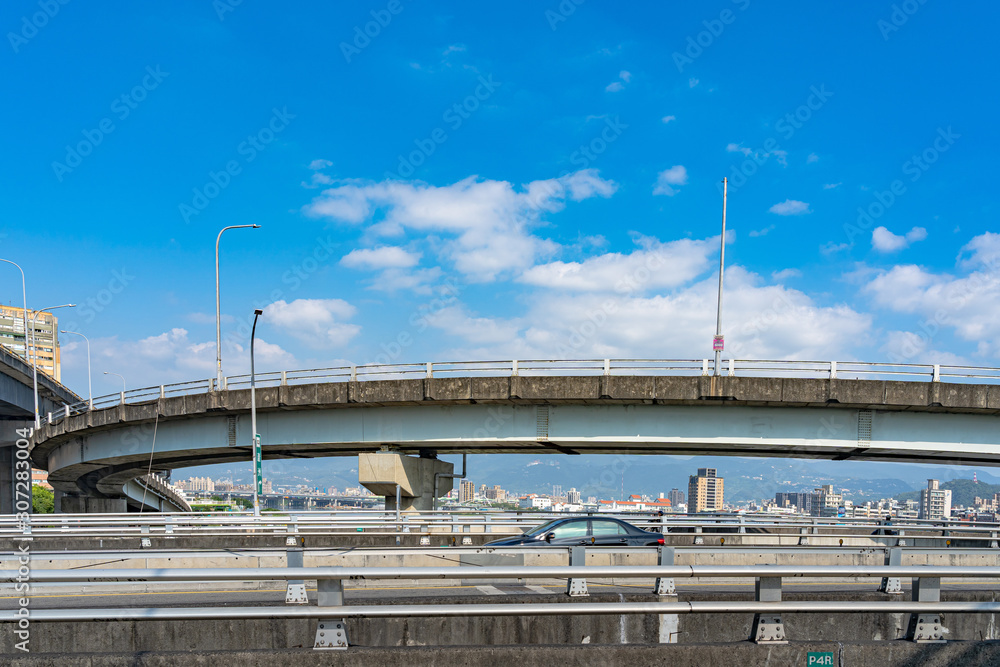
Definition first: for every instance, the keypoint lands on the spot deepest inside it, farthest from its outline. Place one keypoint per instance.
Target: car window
(604, 528)
(571, 529)
(544, 528)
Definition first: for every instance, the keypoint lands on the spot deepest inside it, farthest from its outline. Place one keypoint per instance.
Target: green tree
(42, 500)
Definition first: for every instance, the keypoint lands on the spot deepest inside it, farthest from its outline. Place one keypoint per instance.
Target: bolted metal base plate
(665, 586)
(577, 588)
(926, 629)
(296, 594)
(331, 634)
(891, 585)
(768, 629)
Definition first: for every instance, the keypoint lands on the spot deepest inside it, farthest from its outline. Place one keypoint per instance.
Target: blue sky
(487, 179)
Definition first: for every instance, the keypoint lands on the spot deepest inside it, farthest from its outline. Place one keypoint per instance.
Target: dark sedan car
(590, 531)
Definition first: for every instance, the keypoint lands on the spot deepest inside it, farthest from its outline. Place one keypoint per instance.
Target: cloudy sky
(443, 181)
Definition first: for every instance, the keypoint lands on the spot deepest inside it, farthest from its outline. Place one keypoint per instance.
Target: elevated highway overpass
(17, 411)
(399, 418)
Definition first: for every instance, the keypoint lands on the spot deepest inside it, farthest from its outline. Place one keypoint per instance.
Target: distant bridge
(924, 414)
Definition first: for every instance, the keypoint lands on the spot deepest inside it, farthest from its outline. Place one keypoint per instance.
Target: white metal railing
(463, 523)
(535, 367)
(331, 611)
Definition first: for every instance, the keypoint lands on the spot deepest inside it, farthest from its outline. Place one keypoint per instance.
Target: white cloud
(885, 241)
(812, 158)
(168, 357)
(831, 186)
(982, 250)
(784, 274)
(761, 321)
(692, 82)
(316, 322)
(617, 86)
(667, 119)
(316, 165)
(968, 305)
(676, 175)
(383, 257)
(654, 265)
(454, 48)
(738, 148)
(790, 207)
(831, 247)
(486, 225)
(761, 232)
(759, 155)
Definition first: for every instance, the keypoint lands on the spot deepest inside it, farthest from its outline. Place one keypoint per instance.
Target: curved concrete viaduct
(97, 452)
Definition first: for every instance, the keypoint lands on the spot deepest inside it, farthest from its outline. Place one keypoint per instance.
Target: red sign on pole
(718, 344)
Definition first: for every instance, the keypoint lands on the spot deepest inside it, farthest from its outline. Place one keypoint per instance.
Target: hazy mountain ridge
(610, 476)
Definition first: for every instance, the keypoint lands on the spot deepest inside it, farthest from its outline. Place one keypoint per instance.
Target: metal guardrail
(461, 523)
(331, 612)
(731, 367)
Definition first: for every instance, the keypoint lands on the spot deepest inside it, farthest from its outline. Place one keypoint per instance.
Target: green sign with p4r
(819, 658)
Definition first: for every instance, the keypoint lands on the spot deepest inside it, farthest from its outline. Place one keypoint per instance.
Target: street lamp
(34, 356)
(123, 383)
(218, 306)
(24, 313)
(718, 343)
(90, 384)
(258, 477)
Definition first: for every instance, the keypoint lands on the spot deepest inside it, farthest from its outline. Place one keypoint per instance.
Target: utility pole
(718, 343)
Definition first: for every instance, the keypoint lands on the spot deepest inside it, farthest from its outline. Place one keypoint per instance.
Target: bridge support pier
(381, 472)
(67, 504)
(8, 445)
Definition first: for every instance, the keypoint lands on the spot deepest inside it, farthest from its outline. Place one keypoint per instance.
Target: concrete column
(8, 440)
(85, 505)
(380, 472)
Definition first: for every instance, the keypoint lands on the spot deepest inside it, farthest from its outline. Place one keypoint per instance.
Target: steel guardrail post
(768, 628)
(577, 558)
(665, 585)
(295, 590)
(330, 633)
(926, 628)
(892, 585)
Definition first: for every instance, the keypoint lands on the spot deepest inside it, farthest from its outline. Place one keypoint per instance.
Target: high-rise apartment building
(705, 491)
(45, 339)
(676, 497)
(466, 491)
(573, 496)
(935, 502)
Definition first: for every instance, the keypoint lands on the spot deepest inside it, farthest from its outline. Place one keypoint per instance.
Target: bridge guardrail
(331, 612)
(374, 372)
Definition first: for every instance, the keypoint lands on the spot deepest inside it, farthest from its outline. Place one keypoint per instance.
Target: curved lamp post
(34, 357)
(24, 313)
(90, 383)
(258, 457)
(123, 383)
(218, 307)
